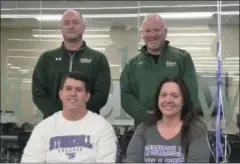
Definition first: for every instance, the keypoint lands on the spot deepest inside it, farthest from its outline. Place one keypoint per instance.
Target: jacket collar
(144, 48)
(84, 46)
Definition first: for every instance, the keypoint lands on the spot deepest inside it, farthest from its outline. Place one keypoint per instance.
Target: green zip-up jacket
(54, 64)
(141, 77)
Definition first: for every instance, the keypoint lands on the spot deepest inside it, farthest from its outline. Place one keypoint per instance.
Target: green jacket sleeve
(129, 101)
(190, 77)
(39, 92)
(100, 87)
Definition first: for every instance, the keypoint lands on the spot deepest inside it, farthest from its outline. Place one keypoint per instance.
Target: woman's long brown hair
(188, 114)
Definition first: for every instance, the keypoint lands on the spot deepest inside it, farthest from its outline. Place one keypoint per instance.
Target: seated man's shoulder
(99, 120)
(48, 122)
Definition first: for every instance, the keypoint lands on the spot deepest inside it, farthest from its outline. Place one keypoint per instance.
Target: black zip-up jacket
(54, 64)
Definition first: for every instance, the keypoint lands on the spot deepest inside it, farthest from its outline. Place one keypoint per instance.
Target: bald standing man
(156, 60)
(72, 55)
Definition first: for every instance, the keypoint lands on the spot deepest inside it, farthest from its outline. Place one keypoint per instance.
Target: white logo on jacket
(171, 63)
(85, 60)
(58, 59)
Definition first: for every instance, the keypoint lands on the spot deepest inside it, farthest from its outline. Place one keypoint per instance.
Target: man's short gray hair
(154, 15)
(81, 16)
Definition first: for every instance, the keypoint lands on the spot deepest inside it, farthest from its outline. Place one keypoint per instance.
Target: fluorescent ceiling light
(215, 59)
(27, 81)
(190, 6)
(13, 78)
(185, 15)
(232, 58)
(215, 62)
(33, 40)
(60, 36)
(88, 30)
(107, 29)
(25, 50)
(194, 58)
(48, 40)
(124, 7)
(99, 49)
(185, 43)
(25, 57)
(204, 58)
(215, 65)
(193, 34)
(230, 62)
(15, 16)
(196, 48)
(24, 70)
(177, 15)
(213, 70)
(221, 76)
(23, 80)
(15, 68)
(202, 54)
(106, 36)
(115, 65)
(105, 44)
(188, 28)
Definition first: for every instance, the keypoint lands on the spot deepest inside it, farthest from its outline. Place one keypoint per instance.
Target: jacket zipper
(71, 61)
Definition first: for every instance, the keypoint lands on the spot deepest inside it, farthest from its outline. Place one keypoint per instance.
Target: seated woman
(173, 133)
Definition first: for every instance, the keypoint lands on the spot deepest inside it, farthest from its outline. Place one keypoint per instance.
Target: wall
(21, 49)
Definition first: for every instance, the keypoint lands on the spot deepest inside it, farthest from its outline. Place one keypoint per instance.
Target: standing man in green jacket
(72, 55)
(156, 60)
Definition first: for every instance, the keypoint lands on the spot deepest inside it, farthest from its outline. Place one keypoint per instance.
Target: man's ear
(84, 28)
(60, 26)
(166, 31)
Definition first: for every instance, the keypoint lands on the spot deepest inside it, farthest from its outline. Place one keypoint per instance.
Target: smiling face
(73, 95)
(154, 33)
(170, 100)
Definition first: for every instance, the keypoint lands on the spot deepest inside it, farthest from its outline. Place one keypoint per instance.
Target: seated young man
(74, 134)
